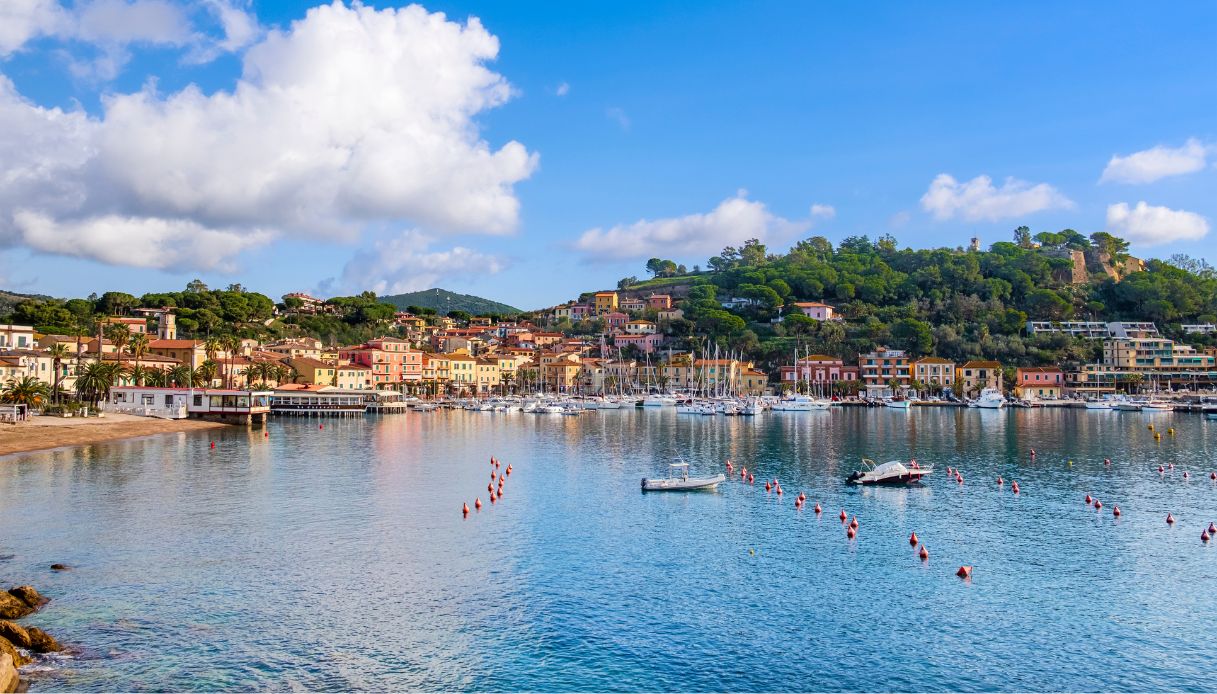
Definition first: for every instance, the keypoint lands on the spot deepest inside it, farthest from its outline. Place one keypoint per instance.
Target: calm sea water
(337, 558)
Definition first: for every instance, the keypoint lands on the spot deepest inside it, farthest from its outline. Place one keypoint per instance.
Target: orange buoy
(849, 533)
(464, 509)
(801, 496)
(924, 553)
(842, 515)
(492, 497)
(1014, 487)
(1170, 520)
(492, 475)
(509, 469)
(490, 487)
(1115, 511)
(913, 539)
(500, 492)
(818, 509)
(964, 572)
(477, 503)
(1088, 500)
(779, 491)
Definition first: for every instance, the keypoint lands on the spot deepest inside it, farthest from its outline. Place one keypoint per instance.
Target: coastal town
(138, 364)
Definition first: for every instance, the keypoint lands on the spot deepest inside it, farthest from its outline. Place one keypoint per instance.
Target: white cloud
(118, 22)
(240, 27)
(404, 264)
(23, 20)
(732, 222)
(823, 211)
(978, 199)
(1158, 162)
(618, 116)
(352, 117)
(138, 241)
(1149, 225)
(563, 89)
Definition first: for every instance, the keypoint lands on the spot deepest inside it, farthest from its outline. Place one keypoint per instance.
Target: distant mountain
(444, 301)
(10, 299)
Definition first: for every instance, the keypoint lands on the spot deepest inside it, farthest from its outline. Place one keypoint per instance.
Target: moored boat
(678, 480)
(891, 472)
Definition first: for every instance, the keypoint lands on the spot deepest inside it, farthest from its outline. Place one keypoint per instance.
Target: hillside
(10, 299)
(444, 301)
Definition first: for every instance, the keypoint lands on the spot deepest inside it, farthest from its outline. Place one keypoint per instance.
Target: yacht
(990, 399)
(898, 404)
(1155, 405)
(656, 400)
(678, 480)
(891, 472)
(800, 403)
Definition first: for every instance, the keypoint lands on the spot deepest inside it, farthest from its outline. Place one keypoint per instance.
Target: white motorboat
(898, 404)
(1129, 406)
(990, 399)
(678, 480)
(659, 401)
(753, 408)
(801, 403)
(1157, 406)
(891, 472)
(1105, 405)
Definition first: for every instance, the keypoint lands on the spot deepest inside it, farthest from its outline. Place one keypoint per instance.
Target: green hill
(444, 301)
(10, 299)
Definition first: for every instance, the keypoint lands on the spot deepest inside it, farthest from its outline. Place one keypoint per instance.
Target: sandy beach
(52, 432)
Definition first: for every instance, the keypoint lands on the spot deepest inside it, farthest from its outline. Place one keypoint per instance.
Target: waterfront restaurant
(318, 401)
(218, 405)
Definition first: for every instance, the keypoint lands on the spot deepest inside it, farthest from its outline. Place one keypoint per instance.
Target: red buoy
(1098, 504)
(964, 572)
(320, 426)
(1204, 536)
(1161, 469)
(464, 509)
(818, 509)
(913, 539)
(1000, 481)
(266, 434)
(924, 553)
(751, 479)
(959, 478)
(767, 487)
(492, 497)
(1115, 511)
(509, 469)
(853, 523)
(842, 515)
(1185, 474)
(477, 503)
(1170, 520)
(490, 487)
(213, 444)
(1213, 475)
(1014, 487)
(779, 491)
(1212, 529)
(492, 475)
(1107, 461)
(849, 533)
(1088, 500)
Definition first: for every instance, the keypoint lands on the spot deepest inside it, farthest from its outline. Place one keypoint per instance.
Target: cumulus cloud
(1150, 225)
(405, 264)
(978, 199)
(240, 26)
(351, 117)
(23, 20)
(1155, 163)
(823, 211)
(731, 222)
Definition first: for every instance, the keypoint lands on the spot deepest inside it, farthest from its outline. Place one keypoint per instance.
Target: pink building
(392, 361)
(819, 369)
(615, 320)
(647, 343)
(580, 312)
(814, 309)
(659, 302)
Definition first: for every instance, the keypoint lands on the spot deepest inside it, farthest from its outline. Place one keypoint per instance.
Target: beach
(52, 432)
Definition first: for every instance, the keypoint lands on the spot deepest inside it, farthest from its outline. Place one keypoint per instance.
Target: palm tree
(138, 345)
(256, 373)
(94, 381)
(120, 335)
(138, 374)
(27, 390)
(155, 378)
(206, 373)
(58, 351)
(212, 347)
(180, 376)
(231, 344)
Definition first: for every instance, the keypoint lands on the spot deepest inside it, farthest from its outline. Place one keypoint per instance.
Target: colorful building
(817, 369)
(815, 309)
(604, 302)
(934, 371)
(1039, 382)
(884, 367)
(976, 375)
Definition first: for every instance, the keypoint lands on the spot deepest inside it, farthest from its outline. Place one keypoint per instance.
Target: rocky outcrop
(42, 642)
(15, 633)
(9, 679)
(12, 607)
(29, 596)
(60, 567)
(7, 648)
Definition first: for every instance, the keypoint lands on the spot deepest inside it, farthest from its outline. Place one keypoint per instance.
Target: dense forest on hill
(956, 303)
(443, 301)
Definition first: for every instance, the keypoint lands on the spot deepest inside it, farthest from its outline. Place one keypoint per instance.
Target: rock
(15, 633)
(7, 648)
(60, 567)
(29, 596)
(9, 679)
(12, 608)
(42, 642)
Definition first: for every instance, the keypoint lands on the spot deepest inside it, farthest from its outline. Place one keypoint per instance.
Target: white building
(16, 337)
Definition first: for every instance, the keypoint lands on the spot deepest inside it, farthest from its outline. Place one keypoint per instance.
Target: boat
(801, 403)
(1129, 406)
(678, 480)
(898, 404)
(990, 399)
(659, 401)
(1105, 405)
(891, 472)
(1211, 415)
(753, 408)
(1157, 406)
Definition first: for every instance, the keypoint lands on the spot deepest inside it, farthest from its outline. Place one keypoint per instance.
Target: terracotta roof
(933, 360)
(174, 344)
(982, 364)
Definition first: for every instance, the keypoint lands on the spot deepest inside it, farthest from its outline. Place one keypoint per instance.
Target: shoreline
(44, 433)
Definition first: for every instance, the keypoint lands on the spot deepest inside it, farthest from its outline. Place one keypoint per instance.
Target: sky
(528, 152)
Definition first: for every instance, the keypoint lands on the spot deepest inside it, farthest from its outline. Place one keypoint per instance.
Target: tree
(196, 286)
(180, 376)
(58, 352)
(27, 390)
(232, 345)
(1022, 237)
(138, 344)
(119, 335)
(1114, 246)
(94, 381)
(626, 282)
(913, 335)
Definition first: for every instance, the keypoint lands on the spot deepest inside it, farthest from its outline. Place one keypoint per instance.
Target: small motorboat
(678, 480)
(891, 472)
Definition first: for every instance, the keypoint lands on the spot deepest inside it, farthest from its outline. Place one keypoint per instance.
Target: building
(934, 371)
(318, 401)
(308, 304)
(463, 372)
(560, 372)
(1095, 329)
(615, 320)
(1199, 328)
(136, 326)
(976, 375)
(192, 353)
(659, 302)
(671, 314)
(487, 375)
(391, 361)
(220, 405)
(815, 309)
(645, 342)
(16, 336)
(1039, 382)
(817, 369)
(883, 368)
(294, 349)
(640, 327)
(1160, 360)
(632, 304)
(604, 302)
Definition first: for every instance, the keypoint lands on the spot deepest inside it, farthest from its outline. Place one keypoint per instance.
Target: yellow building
(463, 370)
(561, 371)
(976, 375)
(314, 372)
(605, 302)
(488, 375)
(353, 376)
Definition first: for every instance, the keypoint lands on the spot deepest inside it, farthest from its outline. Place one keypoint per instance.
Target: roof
(298, 362)
(173, 344)
(1040, 369)
(982, 364)
(641, 321)
(933, 360)
(810, 304)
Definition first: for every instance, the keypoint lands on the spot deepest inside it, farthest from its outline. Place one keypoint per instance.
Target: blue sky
(548, 149)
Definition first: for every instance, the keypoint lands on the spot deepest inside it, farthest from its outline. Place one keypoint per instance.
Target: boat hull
(692, 484)
(891, 481)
